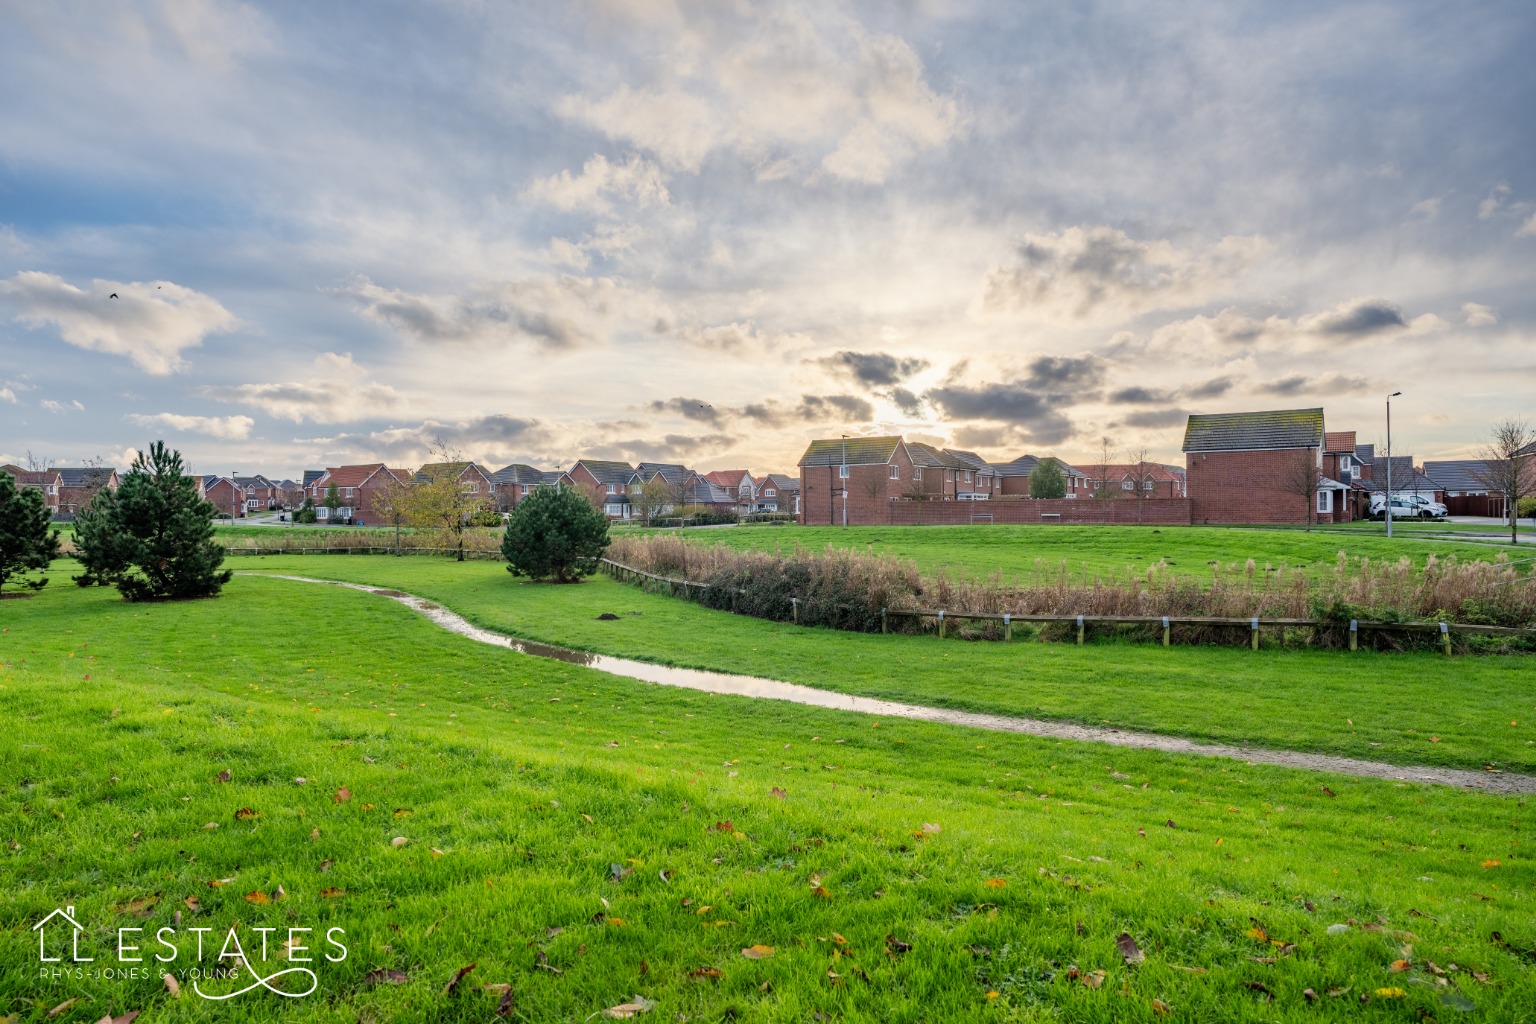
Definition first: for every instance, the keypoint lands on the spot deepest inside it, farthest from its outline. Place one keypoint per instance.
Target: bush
(1527, 508)
(305, 513)
(484, 517)
(26, 544)
(555, 533)
(152, 538)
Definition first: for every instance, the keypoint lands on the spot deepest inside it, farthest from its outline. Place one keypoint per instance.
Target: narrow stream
(771, 689)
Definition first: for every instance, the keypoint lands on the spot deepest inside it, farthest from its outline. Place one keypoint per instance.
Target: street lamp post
(234, 494)
(1388, 505)
(842, 476)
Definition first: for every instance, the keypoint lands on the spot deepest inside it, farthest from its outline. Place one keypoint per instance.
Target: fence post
(1079, 631)
(1007, 626)
(1253, 624)
(1445, 637)
(941, 624)
(794, 609)
(1165, 631)
(882, 620)
(1354, 634)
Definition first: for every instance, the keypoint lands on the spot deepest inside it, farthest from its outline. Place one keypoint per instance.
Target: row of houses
(1273, 466)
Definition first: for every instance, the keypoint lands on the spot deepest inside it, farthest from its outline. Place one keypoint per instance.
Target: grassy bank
(1404, 708)
(586, 840)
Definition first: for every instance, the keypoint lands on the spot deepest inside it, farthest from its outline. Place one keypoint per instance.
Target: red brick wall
(1243, 487)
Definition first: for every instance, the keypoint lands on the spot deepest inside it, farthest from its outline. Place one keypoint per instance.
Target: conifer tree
(153, 538)
(26, 543)
(555, 532)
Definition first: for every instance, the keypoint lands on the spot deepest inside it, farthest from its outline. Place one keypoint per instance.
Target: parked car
(1402, 508)
(1434, 509)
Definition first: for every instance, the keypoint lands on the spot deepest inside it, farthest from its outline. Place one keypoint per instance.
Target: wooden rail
(1253, 623)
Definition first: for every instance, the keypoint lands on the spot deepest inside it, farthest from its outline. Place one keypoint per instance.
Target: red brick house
(1013, 477)
(261, 494)
(1241, 466)
(224, 494)
(1148, 479)
(851, 480)
(513, 483)
(606, 483)
(738, 484)
(472, 478)
(779, 492)
(978, 480)
(356, 486)
(46, 480)
(79, 484)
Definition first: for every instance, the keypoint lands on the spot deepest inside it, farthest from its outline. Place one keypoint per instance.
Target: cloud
(1479, 315)
(843, 408)
(739, 338)
(1213, 388)
(150, 322)
(669, 448)
(1051, 372)
(1491, 203)
(1034, 415)
(339, 393)
(1138, 395)
(785, 90)
(1101, 275)
(1356, 318)
(493, 440)
(1155, 419)
(50, 405)
(909, 403)
(872, 369)
(553, 313)
(688, 408)
(223, 428)
(1426, 209)
(1299, 384)
(1528, 229)
(7, 395)
(636, 181)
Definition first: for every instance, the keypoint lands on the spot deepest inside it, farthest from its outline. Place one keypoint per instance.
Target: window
(1325, 501)
(1128, 485)
(967, 476)
(769, 492)
(613, 510)
(917, 472)
(1147, 485)
(895, 472)
(612, 489)
(842, 472)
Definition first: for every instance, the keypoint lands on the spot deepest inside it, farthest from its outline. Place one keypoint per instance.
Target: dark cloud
(1364, 317)
(1299, 384)
(688, 408)
(1050, 372)
(1137, 395)
(1213, 388)
(485, 438)
(873, 369)
(906, 401)
(849, 407)
(1155, 418)
(1014, 403)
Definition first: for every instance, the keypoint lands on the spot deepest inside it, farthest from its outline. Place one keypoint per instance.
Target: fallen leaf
(776, 791)
(1171, 824)
(1309, 995)
(724, 826)
(821, 891)
(436, 853)
(1490, 863)
(589, 819)
(504, 1007)
(331, 893)
(1398, 966)
(314, 834)
(626, 1010)
(1093, 979)
(1335, 993)
(1390, 993)
(1189, 970)
(1128, 949)
(342, 795)
(223, 776)
(142, 907)
(219, 883)
(1161, 1008)
(383, 975)
(1262, 989)
(995, 883)
(1257, 934)
(713, 973)
(398, 842)
(929, 826)
(173, 986)
(757, 952)
(191, 902)
(258, 897)
(895, 947)
(401, 812)
(301, 781)
(458, 976)
(211, 826)
(1328, 792)
(245, 814)
(62, 1007)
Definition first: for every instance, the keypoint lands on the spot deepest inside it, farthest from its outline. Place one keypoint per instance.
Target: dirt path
(751, 686)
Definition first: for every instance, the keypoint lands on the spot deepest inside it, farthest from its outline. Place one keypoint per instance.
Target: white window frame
(1325, 501)
(842, 472)
(895, 471)
(770, 493)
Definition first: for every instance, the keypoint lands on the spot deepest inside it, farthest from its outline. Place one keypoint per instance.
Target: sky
(291, 235)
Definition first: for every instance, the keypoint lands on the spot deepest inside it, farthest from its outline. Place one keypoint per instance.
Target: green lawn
(1403, 708)
(905, 874)
(1023, 551)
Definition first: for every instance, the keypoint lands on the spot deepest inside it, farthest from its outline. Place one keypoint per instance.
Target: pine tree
(1047, 481)
(153, 539)
(555, 533)
(26, 543)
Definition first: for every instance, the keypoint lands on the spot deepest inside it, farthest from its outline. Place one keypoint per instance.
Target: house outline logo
(68, 914)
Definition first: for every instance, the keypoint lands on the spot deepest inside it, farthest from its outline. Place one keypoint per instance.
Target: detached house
(514, 483)
(606, 483)
(356, 487)
(779, 492)
(850, 480)
(223, 493)
(1013, 477)
(739, 485)
(472, 479)
(46, 480)
(79, 484)
(1241, 466)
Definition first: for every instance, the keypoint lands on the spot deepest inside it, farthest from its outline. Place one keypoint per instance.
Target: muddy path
(769, 689)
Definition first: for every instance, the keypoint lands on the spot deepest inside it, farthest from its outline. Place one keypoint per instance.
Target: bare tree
(1143, 478)
(36, 463)
(1103, 493)
(1301, 477)
(1509, 465)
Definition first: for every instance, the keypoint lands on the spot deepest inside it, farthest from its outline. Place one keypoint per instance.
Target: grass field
(977, 552)
(910, 872)
(1403, 708)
